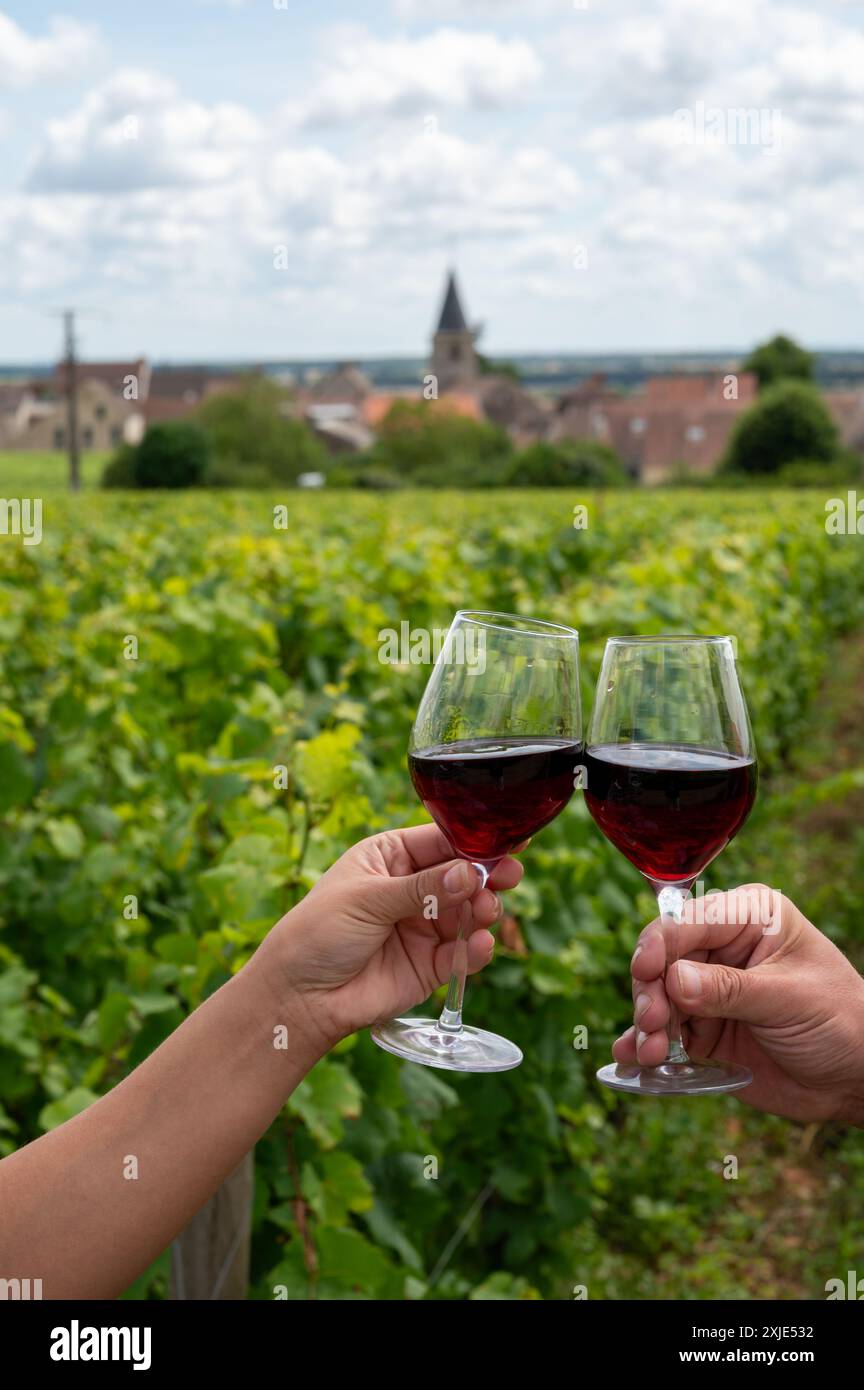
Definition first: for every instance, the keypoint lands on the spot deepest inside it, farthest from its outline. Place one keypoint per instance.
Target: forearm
(89, 1206)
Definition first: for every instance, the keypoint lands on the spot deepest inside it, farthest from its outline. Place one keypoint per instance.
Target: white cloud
(427, 187)
(96, 203)
(147, 196)
(653, 61)
(137, 131)
(475, 9)
(25, 59)
(403, 77)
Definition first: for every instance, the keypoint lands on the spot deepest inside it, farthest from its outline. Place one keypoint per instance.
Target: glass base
(471, 1049)
(691, 1078)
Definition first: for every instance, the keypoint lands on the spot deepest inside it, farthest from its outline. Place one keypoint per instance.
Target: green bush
(789, 423)
(570, 463)
(846, 470)
(360, 473)
(173, 454)
(254, 439)
(119, 471)
(426, 444)
(225, 473)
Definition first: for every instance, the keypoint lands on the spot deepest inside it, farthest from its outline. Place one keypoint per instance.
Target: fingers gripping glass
(493, 756)
(670, 778)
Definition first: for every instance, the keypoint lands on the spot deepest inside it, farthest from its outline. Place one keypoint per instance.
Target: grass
(30, 473)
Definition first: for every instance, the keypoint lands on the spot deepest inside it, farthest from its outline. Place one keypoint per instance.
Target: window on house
(87, 437)
(637, 424)
(59, 439)
(100, 412)
(116, 434)
(455, 352)
(695, 434)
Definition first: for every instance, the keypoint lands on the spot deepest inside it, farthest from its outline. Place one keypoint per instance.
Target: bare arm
(87, 1207)
(90, 1205)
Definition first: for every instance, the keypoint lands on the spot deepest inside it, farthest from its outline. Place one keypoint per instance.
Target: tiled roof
(112, 374)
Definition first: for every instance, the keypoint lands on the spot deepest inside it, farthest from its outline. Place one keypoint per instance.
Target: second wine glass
(670, 778)
(494, 756)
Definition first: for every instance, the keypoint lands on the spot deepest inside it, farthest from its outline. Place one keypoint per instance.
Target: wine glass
(670, 777)
(494, 756)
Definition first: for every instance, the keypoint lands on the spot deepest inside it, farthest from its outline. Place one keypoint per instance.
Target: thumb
(432, 890)
(720, 991)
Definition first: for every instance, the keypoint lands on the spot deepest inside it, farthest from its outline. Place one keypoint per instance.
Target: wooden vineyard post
(210, 1259)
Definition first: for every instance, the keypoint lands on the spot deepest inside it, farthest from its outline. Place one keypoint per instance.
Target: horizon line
(342, 358)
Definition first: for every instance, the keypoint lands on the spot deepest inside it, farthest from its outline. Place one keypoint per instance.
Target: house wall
(103, 422)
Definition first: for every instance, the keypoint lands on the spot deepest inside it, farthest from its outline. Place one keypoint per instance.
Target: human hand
(376, 935)
(787, 1004)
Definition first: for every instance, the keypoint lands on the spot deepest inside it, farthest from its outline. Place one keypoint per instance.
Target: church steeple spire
(452, 318)
(454, 358)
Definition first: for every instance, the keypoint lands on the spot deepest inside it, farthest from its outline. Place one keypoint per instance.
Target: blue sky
(213, 178)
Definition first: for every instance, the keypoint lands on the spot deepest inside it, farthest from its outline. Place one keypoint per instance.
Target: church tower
(454, 358)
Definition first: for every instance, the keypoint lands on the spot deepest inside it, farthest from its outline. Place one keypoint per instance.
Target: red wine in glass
(489, 795)
(494, 756)
(671, 809)
(670, 777)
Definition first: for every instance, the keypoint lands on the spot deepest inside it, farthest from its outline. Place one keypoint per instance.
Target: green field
(152, 775)
(26, 474)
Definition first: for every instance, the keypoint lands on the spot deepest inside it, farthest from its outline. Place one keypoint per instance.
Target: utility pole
(71, 384)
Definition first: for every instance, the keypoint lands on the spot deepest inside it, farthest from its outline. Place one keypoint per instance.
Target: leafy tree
(781, 359)
(789, 423)
(427, 444)
(572, 462)
(119, 471)
(252, 438)
(173, 454)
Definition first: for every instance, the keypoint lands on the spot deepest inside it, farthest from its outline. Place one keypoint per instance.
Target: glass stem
(451, 1014)
(670, 901)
